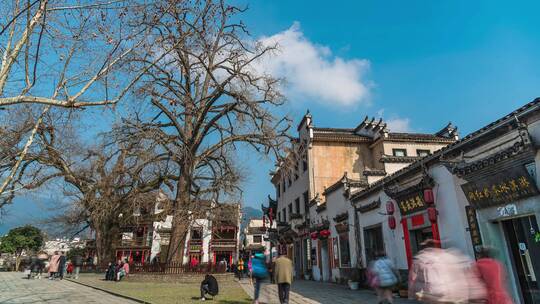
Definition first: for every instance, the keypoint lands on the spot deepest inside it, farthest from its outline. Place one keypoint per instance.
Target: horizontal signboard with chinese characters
(411, 203)
(503, 188)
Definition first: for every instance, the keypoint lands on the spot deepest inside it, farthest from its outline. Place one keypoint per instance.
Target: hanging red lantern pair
(314, 235)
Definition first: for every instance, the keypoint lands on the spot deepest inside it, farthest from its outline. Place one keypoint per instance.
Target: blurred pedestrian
(62, 265)
(69, 269)
(283, 276)
(53, 265)
(444, 276)
(194, 262)
(77, 264)
(383, 275)
(240, 268)
(493, 274)
(259, 272)
(111, 272)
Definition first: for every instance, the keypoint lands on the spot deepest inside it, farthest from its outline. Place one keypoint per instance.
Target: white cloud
(399, 125)
(312, 72)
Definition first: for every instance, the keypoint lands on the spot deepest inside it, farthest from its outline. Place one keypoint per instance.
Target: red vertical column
(407, 240)
(436, 235)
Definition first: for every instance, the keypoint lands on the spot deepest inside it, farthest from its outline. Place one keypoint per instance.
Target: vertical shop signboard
(474, 230)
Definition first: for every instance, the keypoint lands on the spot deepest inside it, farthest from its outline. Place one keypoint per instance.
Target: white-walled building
(479, 191)
(321, 159)
(257, 237)
(62, 245)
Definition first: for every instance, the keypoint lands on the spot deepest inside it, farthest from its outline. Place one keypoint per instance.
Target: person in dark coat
(61, 265)
(209, 286)
(111, 272)
(34, 266)
(77, 264)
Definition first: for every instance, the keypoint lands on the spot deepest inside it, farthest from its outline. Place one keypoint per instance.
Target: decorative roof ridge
(374, 172)
(398, 159)
(418, 137)
(435, 157)
(333, 130)
(517, 148)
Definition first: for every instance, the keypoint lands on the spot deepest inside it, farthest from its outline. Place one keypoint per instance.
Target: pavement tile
(15, 289)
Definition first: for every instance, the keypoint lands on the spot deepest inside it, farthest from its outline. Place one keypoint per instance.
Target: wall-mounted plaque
(502, 188)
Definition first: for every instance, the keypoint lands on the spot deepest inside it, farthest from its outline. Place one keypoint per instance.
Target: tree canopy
(26, 238)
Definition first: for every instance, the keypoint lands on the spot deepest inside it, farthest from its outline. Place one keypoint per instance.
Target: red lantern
(324, 233)
(392, 222)
(428, 196)
(390, 207)
(432, 214)
(314, 235)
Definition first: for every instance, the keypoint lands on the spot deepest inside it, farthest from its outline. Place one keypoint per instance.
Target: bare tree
(206, 98)
(106, 183)
(70, 54)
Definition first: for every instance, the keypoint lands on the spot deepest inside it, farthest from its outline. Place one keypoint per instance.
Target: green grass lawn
(230, 292)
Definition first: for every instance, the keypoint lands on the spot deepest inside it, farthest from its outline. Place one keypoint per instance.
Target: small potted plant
(354, 280)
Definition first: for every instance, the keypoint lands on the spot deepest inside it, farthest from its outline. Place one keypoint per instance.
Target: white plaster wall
(450, 202)
(156, 238)
(337, 203)
(394, 244)
(393, 167)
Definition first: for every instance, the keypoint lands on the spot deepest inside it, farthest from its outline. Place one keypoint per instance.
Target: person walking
(382, 276)
(493, 274)
(62, 265)
(77, 264)
(240, 268)
(259, 272)
(283, 275)
(444, 276)
(42, 258)
(53, 265)
(69, 269)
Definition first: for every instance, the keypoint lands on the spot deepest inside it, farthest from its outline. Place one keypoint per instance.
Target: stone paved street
(310, 292)
(14, 289)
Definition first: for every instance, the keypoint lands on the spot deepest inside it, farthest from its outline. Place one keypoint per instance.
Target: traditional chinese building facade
(257, 238)
(320, 159)
(213, 235)
(481, 190)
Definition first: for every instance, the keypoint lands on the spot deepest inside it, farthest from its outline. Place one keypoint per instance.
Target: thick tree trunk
(180, 222)
(105, 236)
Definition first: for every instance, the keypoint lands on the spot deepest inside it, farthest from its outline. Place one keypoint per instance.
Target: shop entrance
(418, 236)
(523, 238)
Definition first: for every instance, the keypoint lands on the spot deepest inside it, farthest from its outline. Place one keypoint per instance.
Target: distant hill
(250, 213)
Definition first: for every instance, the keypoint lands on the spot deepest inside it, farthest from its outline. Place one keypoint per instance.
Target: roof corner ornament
(449, 131)
(524, 134)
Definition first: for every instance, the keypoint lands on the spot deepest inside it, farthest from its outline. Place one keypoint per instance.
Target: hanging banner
(505, 187)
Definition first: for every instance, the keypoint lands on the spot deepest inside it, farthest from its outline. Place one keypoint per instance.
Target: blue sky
(419, 64)
(430, 62)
